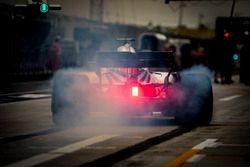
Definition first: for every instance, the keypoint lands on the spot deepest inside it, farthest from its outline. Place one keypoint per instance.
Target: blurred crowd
(224, 61)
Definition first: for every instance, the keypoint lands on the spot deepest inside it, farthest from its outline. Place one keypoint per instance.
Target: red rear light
(135, 91)
(226, 34)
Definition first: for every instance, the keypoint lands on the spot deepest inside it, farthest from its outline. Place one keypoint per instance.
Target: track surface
(29, 138)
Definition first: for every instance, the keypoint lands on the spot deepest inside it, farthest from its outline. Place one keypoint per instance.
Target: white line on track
(26, 92)
(206, 143)
(196, 158)
(35, 160)
(32, 96)
(192, 155)
(229, 98)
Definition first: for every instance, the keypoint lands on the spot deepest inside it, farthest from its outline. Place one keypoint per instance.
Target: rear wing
(138, 59)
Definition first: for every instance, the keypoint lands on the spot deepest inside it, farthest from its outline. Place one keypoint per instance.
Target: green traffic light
(236, 57)
(44, 8)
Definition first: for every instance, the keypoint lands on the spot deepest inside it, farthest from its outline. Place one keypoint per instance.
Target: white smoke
(74, 95)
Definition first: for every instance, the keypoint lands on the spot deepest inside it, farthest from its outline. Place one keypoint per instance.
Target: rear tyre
(69, 98)
(197, 108)
(206, 113)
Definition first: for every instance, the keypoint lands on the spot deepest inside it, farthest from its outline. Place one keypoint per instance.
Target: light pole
(96, 10)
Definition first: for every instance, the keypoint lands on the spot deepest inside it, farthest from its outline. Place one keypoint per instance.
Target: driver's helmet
(126, 48)
(130, 71)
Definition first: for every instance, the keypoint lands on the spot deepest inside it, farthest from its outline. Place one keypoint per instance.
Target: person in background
(229, 49)
(55, 55)
(199, 56)
(245, 64)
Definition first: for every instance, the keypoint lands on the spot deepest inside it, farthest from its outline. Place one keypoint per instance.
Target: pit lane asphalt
(26, 131)
(225, 142)
(18, 91)
(129, 145)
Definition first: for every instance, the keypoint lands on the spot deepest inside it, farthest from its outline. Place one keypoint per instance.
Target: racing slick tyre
(197, 108)
(206, 113)
(70, 92)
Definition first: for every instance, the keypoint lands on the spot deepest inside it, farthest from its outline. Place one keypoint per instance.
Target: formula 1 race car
(128, 84)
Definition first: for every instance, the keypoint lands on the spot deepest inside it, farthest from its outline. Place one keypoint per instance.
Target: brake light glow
(135, 91)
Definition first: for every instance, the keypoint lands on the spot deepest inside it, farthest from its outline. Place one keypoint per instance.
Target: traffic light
(38, 6)
(226, 34)
(44, 7)
(236, 57)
